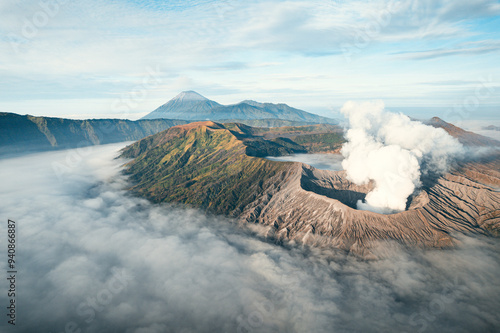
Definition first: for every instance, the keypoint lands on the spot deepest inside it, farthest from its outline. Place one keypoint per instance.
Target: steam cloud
(92, 258)
(393, 151)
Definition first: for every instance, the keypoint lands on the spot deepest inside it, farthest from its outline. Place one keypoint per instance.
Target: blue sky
(96, 59)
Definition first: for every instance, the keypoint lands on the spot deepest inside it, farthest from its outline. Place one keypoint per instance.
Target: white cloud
(319, 161)
(462, 49)
(91, 254)
(85, 47)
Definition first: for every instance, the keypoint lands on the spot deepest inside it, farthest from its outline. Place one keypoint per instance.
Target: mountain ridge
(467, 138)
(294, 202)
(190, 105)
(21, 134)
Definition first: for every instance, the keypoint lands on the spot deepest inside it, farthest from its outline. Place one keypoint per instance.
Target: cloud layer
(319, 161)
(93, 257)
(234, 50)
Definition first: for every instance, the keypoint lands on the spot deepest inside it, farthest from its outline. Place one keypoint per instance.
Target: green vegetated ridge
(321, 142)
(25, 133)
(313, 138)
(209, 165)
(267, 122)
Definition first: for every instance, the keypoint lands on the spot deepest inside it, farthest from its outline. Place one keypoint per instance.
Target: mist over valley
(95, 257)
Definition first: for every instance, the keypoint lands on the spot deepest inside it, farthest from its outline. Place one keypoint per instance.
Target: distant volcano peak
(190, 105)
(189, 95)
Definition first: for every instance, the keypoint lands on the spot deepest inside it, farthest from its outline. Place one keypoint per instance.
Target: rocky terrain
(317, 207)
(208, 165)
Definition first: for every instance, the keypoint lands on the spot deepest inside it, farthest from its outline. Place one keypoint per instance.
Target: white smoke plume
(393, 151)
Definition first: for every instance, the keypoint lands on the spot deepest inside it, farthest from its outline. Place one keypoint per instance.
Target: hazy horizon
(125, 58)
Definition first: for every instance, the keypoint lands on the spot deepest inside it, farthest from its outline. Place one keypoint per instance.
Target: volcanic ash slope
(206, 165)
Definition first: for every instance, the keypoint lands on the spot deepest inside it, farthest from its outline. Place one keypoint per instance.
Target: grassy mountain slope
(21, 134)
(201, 164)
(268, 122)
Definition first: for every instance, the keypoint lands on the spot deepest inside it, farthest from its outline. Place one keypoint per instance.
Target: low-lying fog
(93, 258)
(481, 127)
(319, 161)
